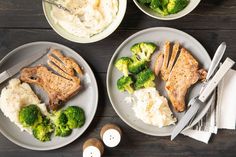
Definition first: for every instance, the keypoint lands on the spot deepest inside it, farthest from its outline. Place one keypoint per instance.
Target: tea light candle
(111, 135)
(93, 148)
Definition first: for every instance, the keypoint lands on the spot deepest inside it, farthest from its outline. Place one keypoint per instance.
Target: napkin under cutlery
(221, 115)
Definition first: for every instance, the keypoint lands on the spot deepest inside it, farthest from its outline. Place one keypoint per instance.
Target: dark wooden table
(213, 21)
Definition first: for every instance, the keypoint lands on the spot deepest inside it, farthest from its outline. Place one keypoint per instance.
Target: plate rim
(93, 78)
(115, 54)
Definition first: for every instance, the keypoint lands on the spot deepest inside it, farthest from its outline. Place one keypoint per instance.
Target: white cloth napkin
(225, 109)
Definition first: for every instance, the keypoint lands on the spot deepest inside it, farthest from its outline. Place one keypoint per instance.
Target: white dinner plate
(87, 98)
(158, 36)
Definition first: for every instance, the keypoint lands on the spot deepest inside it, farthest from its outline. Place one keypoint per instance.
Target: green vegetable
(60, 121)
(145, 79)
(160, 11)
(63, 130)
(75, 116)
(30, 116)
(155, 4)
(137, 66)
(135, 48)
(143, 50)
(68, 119)
(124, 84)
(175, 6)
(122, 65)
(43, 131)
(145, 1)
(165, 7)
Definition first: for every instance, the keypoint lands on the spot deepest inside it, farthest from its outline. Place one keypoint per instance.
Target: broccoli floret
(144, 1)
(43, 131)
(122, 65)
(75, 116)
(30, 116)
(164, 3)
(162, 12)
(143, 50)
(72, 117)
(125, 84)
(158, 6)
(60, 118)
(155, 4)
(175, 6)
(136, 65)
(61, 127)
(63, 130)
(145, 79)
(135, 49)
(147, 49)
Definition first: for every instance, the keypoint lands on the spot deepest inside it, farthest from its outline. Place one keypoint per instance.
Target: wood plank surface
(210, 14)
(99, 54)
(213, 21)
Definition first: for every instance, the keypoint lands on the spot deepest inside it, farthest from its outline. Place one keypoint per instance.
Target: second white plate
(157, 35)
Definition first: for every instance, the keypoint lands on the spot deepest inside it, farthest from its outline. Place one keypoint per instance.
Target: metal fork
(214, 64)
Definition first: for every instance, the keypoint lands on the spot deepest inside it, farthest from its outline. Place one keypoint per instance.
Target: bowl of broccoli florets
(166, 9)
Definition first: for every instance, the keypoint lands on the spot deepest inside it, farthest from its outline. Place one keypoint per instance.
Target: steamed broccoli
(144, 1)
(159, 6)
(136, 65)
(75, 116)
(43, 131)
(68, 119)
(143, 50)
(155, 4)
(145, 79)
(63, 130)
(122, 65)
(175, 6)
(60, 121)
(165, 7)
(162, 12)
(135, 48)
(30, 116)
(124, 84)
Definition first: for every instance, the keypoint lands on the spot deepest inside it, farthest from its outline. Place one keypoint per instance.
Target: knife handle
(224, 68)
(4, 76)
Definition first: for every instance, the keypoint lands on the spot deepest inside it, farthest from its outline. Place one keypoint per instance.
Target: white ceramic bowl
(192, 4)
(109, 30)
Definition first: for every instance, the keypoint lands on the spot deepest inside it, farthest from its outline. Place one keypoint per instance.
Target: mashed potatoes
(89, 17)
(152, 108)
(15, 96)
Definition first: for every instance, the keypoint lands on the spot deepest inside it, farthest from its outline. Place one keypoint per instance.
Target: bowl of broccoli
(166, 9)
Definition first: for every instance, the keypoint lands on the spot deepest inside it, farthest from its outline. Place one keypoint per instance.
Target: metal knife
(16, 68)
(228, 63)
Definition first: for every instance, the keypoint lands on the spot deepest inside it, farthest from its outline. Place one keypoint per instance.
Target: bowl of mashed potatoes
(85, 21)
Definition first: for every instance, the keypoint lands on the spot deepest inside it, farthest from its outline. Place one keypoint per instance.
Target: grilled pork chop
(59, 87)
(179, 75)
